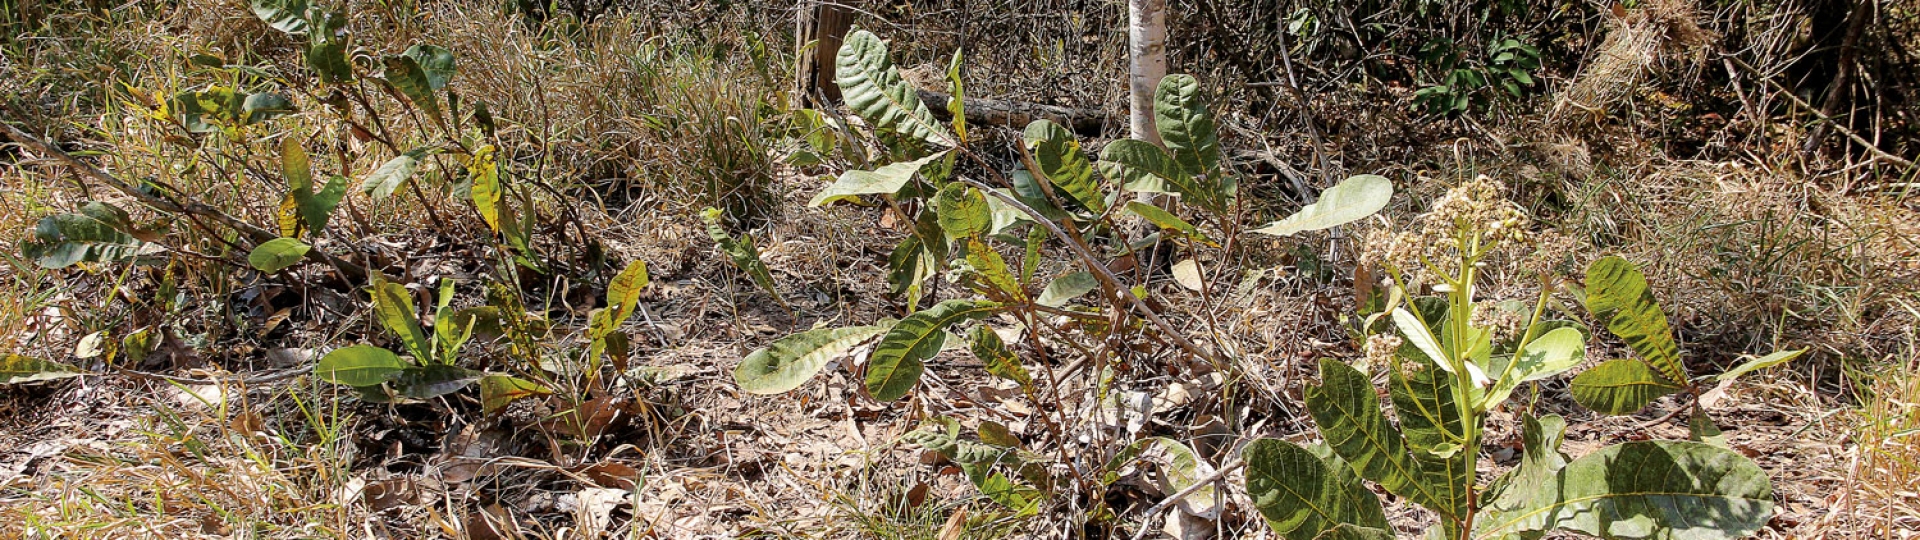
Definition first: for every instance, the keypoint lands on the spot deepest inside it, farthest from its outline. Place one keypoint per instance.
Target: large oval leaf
(1618, 293)
(359, 365)
(1180, 115)
(277, 254)
(436, 64)
(1622, 386)
(885, 180)
(1351, 200)
(874, 90)
(1301, 496)
(790, 361)
(410, 78)
(1547, 355)
(1648, 489)
(97, 233)
(1058, 159)
(1348, 412)
(894, 367)
(962, 211)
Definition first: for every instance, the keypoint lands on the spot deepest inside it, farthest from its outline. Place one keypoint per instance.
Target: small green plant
(1508, 65)
(961, 221)
(1448, 362)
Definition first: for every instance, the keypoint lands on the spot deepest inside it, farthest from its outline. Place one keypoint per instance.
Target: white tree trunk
(1147, 63)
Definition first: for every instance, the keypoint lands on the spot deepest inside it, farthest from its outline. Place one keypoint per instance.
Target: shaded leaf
(1648, 489)
(1066, 288)
(895, 365)
(422, 382)
(327, 46)
(436, 64)
(1058, 159)
(1301, 496)
(288, 16)
(98, 233)
(498, 391)
(1622, 386)
(999, 360)
(410, 78)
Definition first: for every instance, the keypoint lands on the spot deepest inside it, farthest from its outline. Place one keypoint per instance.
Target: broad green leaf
(392, 174)
(1622, 386)
(98, 233)
(1347, 410)
(1166, 220)
(1058, 159)
(277, 254)
(873, 88)
(1067, 287)
(264, 106)
(288, 16)
(314, 209)
(1668, 490)
(498, 391)
(359, 365)
(1144, 167)
(393, 307)
(1617, 292)
(962, 211)
(422, 382)
(16, 368)
(885, 180)
(1301, 496)
(743, 253)
(999, 360)
(327, 46)
(1351, 200)
(1180, 115)
(895, 365)
(1550, 354)
(436, 63)
(1777, 358)
(1700, 428)
(1348, 531)
(1423, 400)
(790, 361)
(407, 76)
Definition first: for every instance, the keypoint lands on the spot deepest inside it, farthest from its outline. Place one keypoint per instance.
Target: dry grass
(642, 118)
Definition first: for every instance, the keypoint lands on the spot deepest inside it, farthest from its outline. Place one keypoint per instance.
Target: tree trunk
(1147, 63)
(827, 24)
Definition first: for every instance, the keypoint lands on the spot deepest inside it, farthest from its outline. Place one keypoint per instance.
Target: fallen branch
(255, 234)
(1017, 115)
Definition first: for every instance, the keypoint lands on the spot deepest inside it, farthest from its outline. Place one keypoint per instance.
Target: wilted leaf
(16, 368)
(1187, 274)
(790, 361)
(392, 174)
